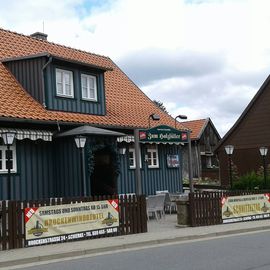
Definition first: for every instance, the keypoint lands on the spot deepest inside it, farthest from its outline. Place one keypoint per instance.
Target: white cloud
(200, 58)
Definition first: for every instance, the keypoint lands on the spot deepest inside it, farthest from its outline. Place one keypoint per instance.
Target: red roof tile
(126, 104)
(197, 127)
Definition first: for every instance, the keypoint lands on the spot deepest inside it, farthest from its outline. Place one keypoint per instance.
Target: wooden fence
(132, 216)
(205, 206)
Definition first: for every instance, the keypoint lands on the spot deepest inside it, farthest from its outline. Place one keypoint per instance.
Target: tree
(160, 105)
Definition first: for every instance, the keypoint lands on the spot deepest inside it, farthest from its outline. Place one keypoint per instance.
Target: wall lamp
(122, 150)
(180, 116)
(154, 117)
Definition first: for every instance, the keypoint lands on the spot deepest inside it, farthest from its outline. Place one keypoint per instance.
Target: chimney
(39, 35)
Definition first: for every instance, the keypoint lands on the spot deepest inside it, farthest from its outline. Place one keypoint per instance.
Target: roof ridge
(53, 43)
(202, 119)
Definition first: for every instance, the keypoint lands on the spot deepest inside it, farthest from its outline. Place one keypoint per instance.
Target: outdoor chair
(155, 206)
(169, 204)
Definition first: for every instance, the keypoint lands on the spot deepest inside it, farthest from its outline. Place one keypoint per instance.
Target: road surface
(249, 251)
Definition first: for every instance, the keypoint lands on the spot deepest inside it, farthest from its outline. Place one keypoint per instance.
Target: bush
(250, 181)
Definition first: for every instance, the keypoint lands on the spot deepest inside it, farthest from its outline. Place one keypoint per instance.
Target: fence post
(142, 208)
(12, 224)
(191, 209)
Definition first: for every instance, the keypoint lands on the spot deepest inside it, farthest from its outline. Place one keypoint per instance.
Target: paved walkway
(162, 231)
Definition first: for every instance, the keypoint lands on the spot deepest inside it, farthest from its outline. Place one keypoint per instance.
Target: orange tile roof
(197, 127)
(127, 106)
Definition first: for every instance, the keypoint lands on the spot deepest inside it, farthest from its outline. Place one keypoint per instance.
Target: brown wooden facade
(249, 133)
(204, 140)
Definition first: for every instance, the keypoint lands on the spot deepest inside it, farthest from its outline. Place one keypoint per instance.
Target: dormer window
(89, 87)
(64, 83)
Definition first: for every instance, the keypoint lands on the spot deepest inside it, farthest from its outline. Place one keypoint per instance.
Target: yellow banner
(245, 208)
(60, 223)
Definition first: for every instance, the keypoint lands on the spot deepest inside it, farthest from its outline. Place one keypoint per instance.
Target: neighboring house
(50, 93)
(204, 138)
(250, 132)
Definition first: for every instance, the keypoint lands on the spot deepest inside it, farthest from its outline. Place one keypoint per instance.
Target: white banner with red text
(61, 223)
(245, 208)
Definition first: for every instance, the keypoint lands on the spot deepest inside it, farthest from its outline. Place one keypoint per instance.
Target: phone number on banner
(70, 237)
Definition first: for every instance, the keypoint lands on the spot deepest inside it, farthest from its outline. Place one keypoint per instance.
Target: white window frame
(88, 89)
(3, 158)
(132, 151)
(151, 150)
(64, 91)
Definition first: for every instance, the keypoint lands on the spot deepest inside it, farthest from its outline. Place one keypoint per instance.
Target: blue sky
(200, 58)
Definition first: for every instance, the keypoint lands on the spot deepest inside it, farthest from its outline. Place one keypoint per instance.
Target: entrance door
(103, 178)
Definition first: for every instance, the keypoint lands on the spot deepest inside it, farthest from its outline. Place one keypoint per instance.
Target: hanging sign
(62, 223)
(173, 161)
(163, 134)
(245, 208)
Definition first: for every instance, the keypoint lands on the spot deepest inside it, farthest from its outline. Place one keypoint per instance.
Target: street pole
(190, 173)
(229, 151)
(264, 171)
(83, 172)
(9, 174)
(138, 180)
(230, 169)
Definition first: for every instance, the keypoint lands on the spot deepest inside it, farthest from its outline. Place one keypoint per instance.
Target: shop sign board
(162, 134)
(62, 223)
(245, 208)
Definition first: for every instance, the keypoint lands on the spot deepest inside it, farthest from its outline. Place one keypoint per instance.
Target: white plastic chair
(155, 206)
(169, 205)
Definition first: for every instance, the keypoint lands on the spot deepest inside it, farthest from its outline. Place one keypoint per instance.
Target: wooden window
(4, 158)
(64, 83)
(89, 87)
(132, 158)
(152, 156)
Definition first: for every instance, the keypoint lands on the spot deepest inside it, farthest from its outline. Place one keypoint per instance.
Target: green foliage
(96, 145)
(251, 181)
(160, 105)
(248, 181)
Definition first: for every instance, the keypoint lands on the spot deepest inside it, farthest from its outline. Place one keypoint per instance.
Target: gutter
(57, 122)
(43, 83)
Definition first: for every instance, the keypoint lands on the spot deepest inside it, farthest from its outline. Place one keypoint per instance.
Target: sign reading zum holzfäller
(61, 223)
(163, 134)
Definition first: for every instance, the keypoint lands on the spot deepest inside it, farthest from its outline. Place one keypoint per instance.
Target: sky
(200, 58)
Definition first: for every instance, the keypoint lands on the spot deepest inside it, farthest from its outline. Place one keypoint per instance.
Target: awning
(130, 139)
(127, 139)
(88, 130)
(32, 134)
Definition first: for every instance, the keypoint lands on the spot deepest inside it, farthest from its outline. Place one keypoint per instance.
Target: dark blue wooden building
(46, 92)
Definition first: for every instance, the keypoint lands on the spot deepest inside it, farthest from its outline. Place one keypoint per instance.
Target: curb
(82, 252)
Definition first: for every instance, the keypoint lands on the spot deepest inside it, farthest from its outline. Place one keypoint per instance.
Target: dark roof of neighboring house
(198, 127)
(244, 113)
(126, 105)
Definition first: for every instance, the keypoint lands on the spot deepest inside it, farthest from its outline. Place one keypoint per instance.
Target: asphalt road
(238, 252)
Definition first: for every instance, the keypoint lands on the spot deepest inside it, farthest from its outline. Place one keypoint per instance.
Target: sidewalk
(163, 231)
